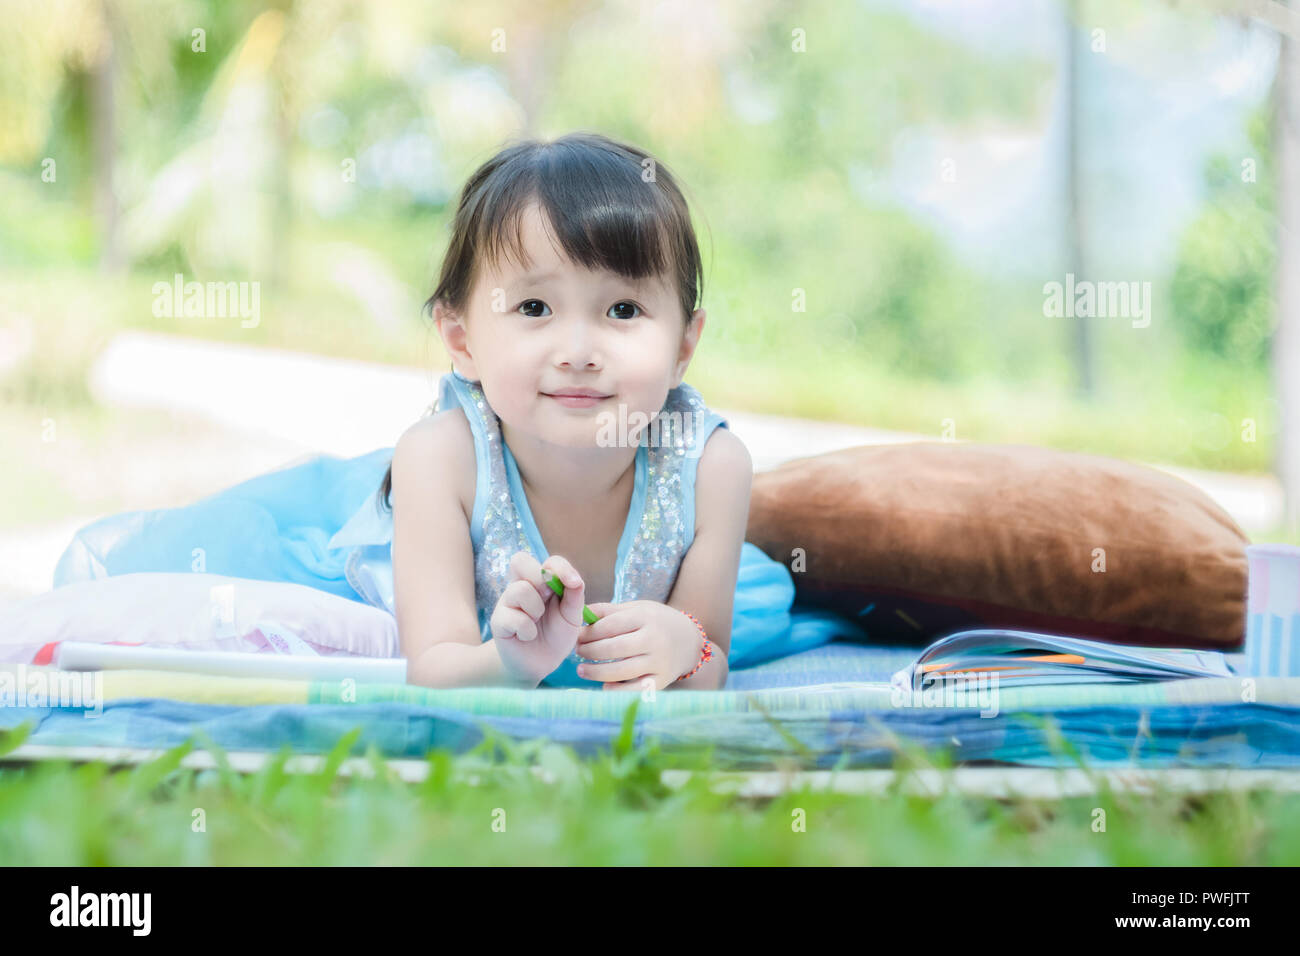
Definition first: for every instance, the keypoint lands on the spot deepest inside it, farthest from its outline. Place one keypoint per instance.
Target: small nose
(577, 346)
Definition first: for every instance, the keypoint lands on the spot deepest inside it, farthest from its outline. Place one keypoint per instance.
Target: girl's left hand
(650, 639)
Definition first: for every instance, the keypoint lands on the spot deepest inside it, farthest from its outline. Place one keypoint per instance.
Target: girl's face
(537, 331)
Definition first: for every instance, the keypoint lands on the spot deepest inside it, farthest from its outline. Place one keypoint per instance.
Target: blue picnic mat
(827, 706)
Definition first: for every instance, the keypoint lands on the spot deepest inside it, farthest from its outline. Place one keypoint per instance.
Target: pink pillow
(194, 610)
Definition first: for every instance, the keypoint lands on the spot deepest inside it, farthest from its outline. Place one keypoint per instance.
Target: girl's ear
(690, 340)
(451, 329)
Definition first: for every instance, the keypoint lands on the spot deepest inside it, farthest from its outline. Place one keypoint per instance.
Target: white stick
(78, 656)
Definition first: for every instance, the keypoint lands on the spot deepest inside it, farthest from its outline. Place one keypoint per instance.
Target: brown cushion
(921, 539)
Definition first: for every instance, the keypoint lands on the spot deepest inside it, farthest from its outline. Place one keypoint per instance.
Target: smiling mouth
(578, 401)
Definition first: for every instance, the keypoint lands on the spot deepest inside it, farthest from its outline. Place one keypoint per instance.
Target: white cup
(1273, 610)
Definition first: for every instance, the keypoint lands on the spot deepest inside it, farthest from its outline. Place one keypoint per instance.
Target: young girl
(565, 445)
(567, 304)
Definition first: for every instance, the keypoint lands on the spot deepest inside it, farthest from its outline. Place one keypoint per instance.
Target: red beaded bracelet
(706, 654)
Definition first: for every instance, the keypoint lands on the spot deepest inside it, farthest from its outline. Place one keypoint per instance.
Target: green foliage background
(899, 332)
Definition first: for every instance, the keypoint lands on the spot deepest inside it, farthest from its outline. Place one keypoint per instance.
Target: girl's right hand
(534, 629)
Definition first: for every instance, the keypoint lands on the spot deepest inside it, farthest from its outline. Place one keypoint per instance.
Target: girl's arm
(433, 559)
(706, 580)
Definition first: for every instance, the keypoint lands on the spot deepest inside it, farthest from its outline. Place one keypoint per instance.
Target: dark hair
(611, 206)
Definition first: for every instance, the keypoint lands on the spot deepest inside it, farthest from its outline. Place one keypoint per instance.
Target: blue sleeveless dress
(319, 523)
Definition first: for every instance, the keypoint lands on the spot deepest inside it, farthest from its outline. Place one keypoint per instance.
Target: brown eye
(625, 305)
(532, 304)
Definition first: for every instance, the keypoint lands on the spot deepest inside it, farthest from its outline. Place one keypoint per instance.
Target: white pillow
(200, 611)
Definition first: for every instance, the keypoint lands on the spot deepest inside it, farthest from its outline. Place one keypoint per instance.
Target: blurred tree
(1222, 284)
(524, 38)
(1239, 295)
(103, 79)
(76, 43)
(804, 196)
(94, 85)
(1075, 232)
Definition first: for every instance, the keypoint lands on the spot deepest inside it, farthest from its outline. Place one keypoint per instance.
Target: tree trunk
(1076, 231)
(103, 132)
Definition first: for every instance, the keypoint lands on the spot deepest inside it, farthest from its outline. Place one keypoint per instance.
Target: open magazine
(1025, 657)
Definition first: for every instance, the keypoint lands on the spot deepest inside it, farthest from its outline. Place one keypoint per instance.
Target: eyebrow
(640, 287)
(533, 277)
(642, 283)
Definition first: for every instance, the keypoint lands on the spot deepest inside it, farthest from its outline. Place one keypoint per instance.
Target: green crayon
(552, 579)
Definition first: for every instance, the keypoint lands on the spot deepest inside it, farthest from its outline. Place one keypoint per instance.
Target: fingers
(565, 571)
(526, 572)
(612, 622)
(523, 596)
(524, 567)
(522, 604)
(627, 669)
(512, 622)
(607, 649)
(574, 587)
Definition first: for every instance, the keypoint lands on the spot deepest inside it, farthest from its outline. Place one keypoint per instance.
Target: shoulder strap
(455, 390)
(697, 422)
